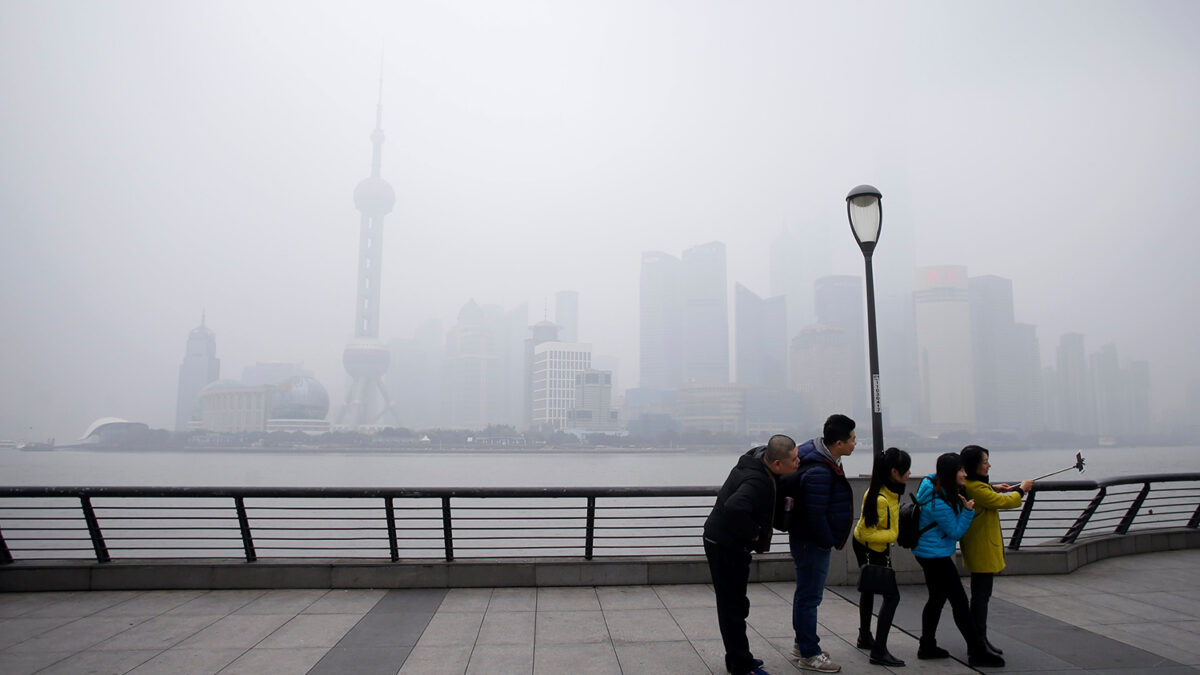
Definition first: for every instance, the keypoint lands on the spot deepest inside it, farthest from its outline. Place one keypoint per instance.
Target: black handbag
(877, 579)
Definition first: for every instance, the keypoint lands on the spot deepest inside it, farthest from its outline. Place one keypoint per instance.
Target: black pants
(866, 601)
(942, 582)
(730, 569)
(981, 593)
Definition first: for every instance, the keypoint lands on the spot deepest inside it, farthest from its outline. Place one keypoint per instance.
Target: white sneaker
(819, 663)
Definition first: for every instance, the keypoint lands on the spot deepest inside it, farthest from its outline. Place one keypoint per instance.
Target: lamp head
(863, 206)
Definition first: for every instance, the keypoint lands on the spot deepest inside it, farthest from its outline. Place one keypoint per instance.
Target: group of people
(803, 490)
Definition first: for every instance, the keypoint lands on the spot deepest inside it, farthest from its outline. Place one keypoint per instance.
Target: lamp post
(866, 219)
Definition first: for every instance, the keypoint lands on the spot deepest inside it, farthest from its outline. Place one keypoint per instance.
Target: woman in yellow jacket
(983, 544)
(877, 528)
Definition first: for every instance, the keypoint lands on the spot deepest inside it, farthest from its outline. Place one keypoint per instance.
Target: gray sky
(160, 158)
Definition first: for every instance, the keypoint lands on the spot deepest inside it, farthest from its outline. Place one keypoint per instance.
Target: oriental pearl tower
(365, 358)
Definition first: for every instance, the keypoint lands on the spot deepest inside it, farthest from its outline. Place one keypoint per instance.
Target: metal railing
(128, 523)
(1062, 512)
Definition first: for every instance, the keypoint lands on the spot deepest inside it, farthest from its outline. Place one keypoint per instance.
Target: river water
(499, 468)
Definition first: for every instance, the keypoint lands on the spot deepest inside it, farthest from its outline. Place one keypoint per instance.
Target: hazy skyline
(159, 159)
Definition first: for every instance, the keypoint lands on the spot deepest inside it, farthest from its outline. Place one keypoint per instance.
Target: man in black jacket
(740, 522)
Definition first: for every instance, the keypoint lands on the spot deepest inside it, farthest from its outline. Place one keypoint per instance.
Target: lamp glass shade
(865, 217)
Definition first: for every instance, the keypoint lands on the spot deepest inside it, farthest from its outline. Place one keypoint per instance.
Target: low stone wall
(229, 574)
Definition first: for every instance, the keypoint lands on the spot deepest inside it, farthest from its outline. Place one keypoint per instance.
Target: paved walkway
(1122, 615)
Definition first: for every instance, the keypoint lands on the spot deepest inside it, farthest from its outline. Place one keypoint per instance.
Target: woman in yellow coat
(877, 528)
(983, 544)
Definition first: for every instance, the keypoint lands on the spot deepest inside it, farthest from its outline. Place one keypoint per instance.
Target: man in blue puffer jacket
(824, 506)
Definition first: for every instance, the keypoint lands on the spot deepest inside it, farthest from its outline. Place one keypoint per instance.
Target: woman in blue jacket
(945, 506)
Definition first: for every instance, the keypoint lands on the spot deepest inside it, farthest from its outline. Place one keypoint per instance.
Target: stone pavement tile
(447, 629)
(697, 623)
(284, 601)
(760, 595)
(784, 589)
(77, 635)
(81, 604)
(1080, 647)
(346, 601)
(188, 662)
(388, 631)
(310, 631)
(16, 604)
(837, 615)
(16, 631)
(466, 600)
(1014, 587)
(507, 628)
(262, 661)
(1080, 610)
(441, 659)
(1173, 601)
(514, 599)
(595, 658)
(642, 625)
(569, 598)
(24, 663)
(687, 595)
(361, 661)
(236, 631)
(771, 621)
(409, 600)
(628, 597)
(660, 658)
(150, 603)
(501, 659)
(1136, 606)
(1168, 640)
(101, 662)
(216, 602)
(558, 627)
(160, 632)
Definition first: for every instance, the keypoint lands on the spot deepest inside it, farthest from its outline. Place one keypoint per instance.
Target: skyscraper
(998, 396)
(1074, 392)
(760, 339)
(660, 334)
(821, 372)
(942, 312)
(566, 315)
(200, 367)
(365, 358)
(839, 302)
(705, 320)
(798, 257)
(555, 366)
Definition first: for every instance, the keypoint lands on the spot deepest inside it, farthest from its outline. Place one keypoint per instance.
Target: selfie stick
(1077, 465)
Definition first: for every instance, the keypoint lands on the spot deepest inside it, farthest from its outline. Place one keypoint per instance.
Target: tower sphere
(366, 358)
(374, 197)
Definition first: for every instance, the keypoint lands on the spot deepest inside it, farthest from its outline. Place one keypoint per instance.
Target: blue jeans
(812, 566)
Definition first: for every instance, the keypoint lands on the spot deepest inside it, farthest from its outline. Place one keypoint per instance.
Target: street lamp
(866, 219)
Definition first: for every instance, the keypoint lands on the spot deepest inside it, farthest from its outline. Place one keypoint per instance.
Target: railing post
(244, 522)
(1195, 521)
(1076, 529)
(447, 530)
(390, 510)
(5, 555)
(1127, 521)
(590, 535)
(1019, 531)
(93, 525)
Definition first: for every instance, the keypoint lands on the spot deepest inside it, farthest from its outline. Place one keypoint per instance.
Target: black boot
(991, 647)
(882, 657)
(985, 658)
(865, 641)
(928, 649)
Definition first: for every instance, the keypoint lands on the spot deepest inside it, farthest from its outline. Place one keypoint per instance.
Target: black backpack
(910, 524)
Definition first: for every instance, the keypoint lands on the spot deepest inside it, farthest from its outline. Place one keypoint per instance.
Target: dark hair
(972, 458)
(881, 474)
(779, 447)
(837, 428)
(946, 481)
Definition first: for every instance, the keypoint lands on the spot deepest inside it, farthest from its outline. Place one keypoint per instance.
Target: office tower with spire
(366, 359)
(200, 367)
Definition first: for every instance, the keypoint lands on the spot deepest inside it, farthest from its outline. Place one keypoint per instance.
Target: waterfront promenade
(1128, 614)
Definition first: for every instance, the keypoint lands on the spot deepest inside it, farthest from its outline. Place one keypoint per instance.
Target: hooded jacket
(745, 505)
(939, 541)
(824, 499)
